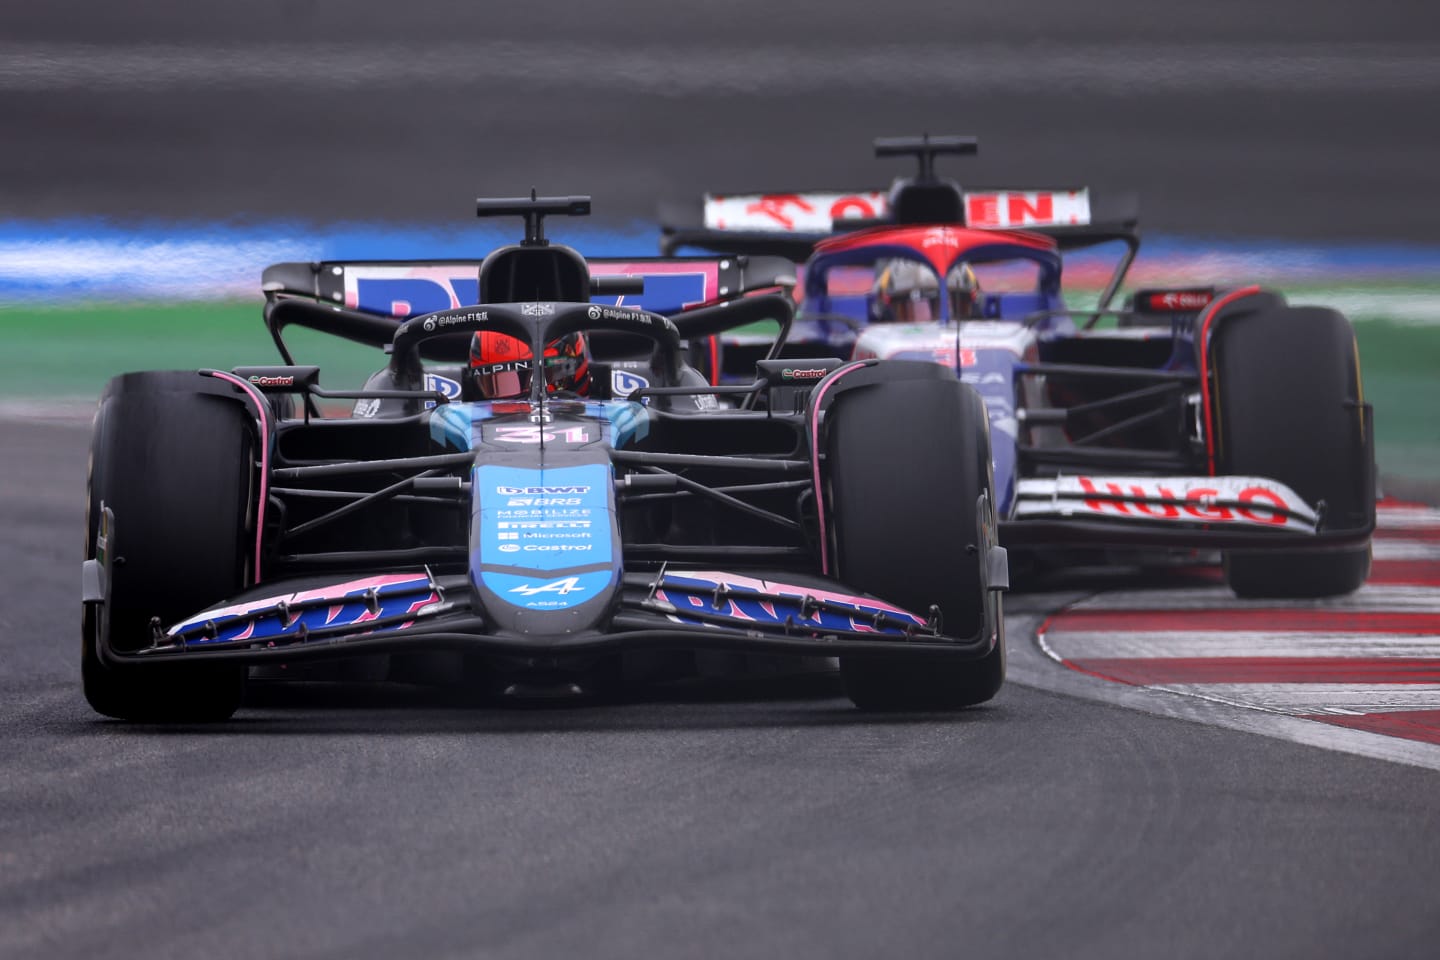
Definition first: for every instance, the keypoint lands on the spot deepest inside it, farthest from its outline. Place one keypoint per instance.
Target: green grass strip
(68, 352)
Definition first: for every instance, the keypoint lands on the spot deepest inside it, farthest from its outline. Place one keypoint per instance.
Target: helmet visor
(498, 380)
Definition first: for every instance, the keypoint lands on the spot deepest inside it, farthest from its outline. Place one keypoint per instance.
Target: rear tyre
(909, 466)
(1288, 391)
(174, 462)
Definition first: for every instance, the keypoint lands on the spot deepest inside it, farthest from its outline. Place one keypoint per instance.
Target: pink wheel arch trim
(260, 407)
(824, 388)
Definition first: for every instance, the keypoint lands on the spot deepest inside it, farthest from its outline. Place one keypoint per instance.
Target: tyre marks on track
(1369, 661)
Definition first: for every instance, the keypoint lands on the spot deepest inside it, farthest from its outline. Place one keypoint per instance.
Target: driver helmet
(963, 288)
(500, 366)
(905, 291)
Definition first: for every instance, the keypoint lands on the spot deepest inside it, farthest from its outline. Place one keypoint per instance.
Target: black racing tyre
(908, 462)
(174, 462)
(1289, 407)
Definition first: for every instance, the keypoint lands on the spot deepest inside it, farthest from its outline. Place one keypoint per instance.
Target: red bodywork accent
(940, 245)
(1202, 359)
(714, 361)
(1175, 301)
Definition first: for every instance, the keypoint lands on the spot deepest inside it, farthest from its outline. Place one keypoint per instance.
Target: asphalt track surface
(748, 820)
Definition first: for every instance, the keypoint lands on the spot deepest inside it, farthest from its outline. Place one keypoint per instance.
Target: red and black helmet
(500, 365)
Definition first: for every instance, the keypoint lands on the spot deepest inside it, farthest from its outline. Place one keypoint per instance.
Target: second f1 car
(1200, 418)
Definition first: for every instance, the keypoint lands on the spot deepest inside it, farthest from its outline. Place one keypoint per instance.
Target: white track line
(1297, 699)
(1283, 710)
(1407, 518)
(1387, 549)
(1031, 667)
(1090, 645)
(1378, 599)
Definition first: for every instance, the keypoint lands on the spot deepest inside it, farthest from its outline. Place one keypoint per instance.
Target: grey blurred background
(1301, 119)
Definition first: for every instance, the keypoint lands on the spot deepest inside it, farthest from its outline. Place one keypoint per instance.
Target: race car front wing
(1234, 512)
(687, 609)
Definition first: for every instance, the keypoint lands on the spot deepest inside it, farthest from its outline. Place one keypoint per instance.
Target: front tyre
(173, 458)
(911, 496)
(1290, 407)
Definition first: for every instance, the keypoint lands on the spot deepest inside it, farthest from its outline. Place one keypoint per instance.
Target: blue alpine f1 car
(505, 499)
(1195, 418)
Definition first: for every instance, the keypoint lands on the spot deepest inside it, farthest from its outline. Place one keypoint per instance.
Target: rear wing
(367, 301)
(405, 288)
(791, 224)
